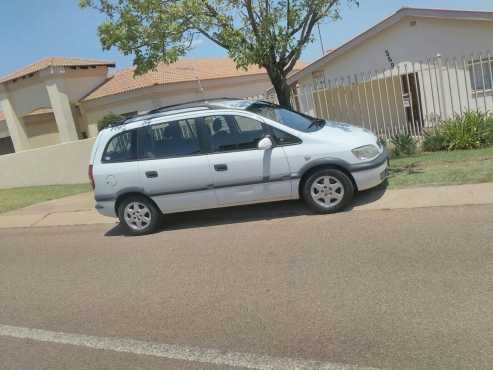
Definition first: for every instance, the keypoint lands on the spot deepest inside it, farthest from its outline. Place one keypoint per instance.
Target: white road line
(170, 351)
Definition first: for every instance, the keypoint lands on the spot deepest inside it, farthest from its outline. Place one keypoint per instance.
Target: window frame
(202, 147)
(484, 68)
(204, 139)
(137, 149)
(210, 144)
(275, 106)
(275, 140)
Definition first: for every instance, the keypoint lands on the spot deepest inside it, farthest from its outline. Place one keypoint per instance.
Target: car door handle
(151, 174)
(220, 167)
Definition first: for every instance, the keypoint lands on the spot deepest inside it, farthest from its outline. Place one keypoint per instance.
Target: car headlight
(365, 152)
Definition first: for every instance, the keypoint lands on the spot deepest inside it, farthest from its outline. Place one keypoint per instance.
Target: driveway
(253, 287)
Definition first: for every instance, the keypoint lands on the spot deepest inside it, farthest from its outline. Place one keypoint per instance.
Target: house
(408, 72)
(58, 100)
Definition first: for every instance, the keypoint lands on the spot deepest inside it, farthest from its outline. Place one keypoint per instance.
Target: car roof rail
(160, 111)
(189, 104)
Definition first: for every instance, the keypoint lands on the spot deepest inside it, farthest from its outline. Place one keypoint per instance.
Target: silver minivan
(228, 152)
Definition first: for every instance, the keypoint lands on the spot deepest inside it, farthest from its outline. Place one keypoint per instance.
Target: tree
(109, 119)
(268, 33)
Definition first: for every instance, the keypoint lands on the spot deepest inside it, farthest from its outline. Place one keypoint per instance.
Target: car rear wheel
(328, 191)
(138, 215)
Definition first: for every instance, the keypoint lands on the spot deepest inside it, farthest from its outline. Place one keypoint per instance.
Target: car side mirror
(265, 143)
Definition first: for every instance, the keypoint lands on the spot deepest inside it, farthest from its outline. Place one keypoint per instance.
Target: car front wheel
(328, 190)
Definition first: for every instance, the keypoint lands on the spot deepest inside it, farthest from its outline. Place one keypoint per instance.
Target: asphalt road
(402, 289)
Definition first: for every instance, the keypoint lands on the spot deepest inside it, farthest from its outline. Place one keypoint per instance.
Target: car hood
(344, 133)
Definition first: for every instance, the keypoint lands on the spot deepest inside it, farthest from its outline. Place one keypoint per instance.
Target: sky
(34, 29)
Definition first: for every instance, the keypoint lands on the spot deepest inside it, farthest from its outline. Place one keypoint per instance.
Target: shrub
(109, 119)
(382, 141)
(434, 141)
(470, 131)
(404, 144)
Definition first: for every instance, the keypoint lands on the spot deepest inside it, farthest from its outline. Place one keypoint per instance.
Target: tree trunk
(280, 83)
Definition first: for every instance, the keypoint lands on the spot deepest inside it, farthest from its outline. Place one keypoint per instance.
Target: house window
(319, 80)
(480, 73)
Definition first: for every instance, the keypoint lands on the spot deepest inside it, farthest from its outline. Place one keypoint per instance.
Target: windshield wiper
(318, 121)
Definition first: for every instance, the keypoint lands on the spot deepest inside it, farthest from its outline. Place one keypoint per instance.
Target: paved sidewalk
(79, 209)
(73, 210)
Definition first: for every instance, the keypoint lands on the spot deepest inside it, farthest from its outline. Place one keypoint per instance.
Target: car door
(175, 170)
(242, 173)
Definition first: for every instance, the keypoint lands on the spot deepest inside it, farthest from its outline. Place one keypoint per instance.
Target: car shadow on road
(248, 213)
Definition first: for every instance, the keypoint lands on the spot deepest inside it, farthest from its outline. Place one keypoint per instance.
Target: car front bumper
(367, 179)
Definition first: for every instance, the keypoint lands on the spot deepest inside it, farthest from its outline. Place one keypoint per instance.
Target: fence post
(441, 82)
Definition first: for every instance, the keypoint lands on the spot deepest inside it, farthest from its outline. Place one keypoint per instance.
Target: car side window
(121, 148)
(170, 139)
(283, 138)
(230, 133)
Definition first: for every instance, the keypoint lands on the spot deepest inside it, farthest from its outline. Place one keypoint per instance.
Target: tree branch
(212, 38)
(251, 17)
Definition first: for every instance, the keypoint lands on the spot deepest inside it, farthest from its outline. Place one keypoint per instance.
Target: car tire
(328, 190)
(138, 215)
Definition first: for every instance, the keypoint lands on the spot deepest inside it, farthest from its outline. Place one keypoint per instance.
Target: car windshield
(292, 119)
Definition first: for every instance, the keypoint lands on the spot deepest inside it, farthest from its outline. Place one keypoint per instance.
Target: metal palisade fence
(411, 97)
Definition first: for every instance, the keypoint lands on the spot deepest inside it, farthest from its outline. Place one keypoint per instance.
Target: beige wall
(41, 130)
(58, 164)
(78, 83)
(31, 93)
(28, 95)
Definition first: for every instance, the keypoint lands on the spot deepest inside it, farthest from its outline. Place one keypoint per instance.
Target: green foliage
(267, 33)
(403, 144)
(471, 131)
(110, 118)
(434, 141)
(382, 141)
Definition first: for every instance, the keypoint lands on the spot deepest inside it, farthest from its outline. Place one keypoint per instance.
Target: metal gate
(409, 98)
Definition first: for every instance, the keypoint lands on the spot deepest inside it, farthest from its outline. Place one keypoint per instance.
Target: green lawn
(442, 168)
(425, 169)
(21, 197)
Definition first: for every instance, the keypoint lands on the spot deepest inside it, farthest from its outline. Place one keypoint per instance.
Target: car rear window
(121, 148)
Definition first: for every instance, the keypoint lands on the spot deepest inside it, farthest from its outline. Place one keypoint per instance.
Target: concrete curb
(440, 196)
(78, 209)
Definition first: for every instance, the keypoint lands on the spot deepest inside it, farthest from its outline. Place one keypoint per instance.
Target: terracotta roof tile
(182, 71)
(53, 62)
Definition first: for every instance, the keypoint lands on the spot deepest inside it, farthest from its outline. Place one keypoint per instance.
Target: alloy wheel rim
(137, 216)
(327, 191)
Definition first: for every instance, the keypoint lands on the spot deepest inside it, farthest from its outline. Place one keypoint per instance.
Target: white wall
(411, 48)
(56, 164)
(405, 43)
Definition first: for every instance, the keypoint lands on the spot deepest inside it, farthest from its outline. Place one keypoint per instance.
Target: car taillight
(91, 177)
